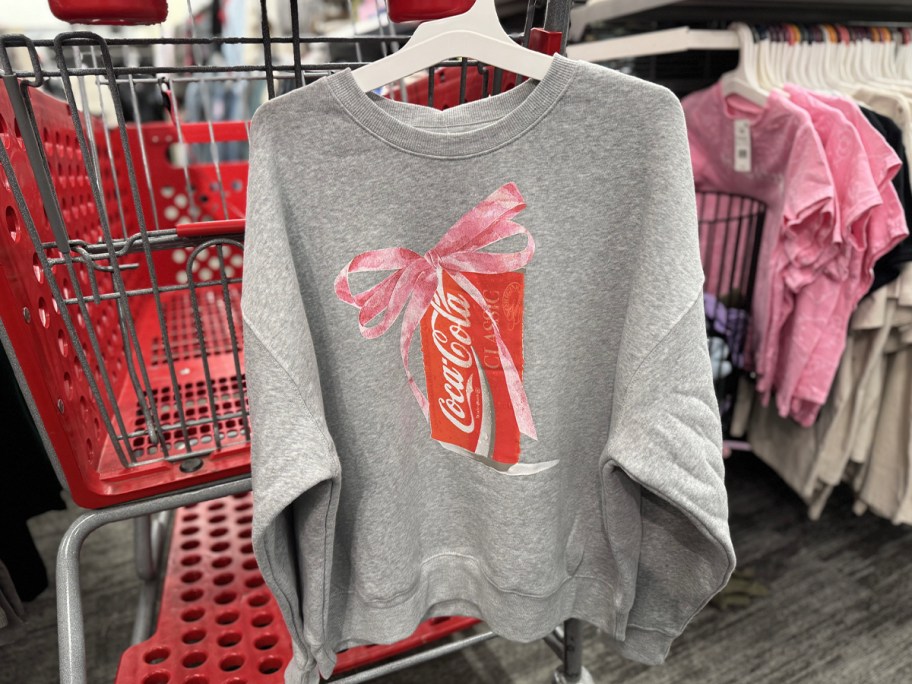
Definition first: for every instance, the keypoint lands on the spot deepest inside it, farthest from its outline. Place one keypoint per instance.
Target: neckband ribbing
(495, 120)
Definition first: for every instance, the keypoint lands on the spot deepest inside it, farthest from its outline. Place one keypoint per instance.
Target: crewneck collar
(491, 122)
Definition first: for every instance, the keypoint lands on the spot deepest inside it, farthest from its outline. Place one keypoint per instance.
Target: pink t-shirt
(824, 261)
(885, 227)
(788, 172)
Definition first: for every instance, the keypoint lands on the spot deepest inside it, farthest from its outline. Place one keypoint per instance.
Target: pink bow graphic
(416, 278)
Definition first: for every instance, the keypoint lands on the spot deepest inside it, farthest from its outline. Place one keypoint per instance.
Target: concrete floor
(839, 608)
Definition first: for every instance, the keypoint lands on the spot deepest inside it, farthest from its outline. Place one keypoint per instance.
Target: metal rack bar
(320, 68)
(239, 40)
(267, 49)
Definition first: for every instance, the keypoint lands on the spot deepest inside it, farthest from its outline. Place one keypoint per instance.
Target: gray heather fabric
(364, 525)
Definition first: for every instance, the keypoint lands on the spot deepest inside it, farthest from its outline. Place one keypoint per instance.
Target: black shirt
(888, 267)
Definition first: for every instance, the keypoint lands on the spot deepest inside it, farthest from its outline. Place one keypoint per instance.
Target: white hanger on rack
(888, 60)
(806, 49)
(476, 34)
(844, 63)
(823, 62)
(742, 81)
(782, 62)
(904, 61)
(765, 49)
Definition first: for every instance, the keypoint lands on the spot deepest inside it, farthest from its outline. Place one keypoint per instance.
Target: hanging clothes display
(517, 467)
(831, 215)
(863, 430)
(888, 267)
(832, 386)
(871, 222)
(782, 144)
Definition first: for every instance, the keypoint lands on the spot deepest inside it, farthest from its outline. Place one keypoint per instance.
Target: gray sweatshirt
(478, 372)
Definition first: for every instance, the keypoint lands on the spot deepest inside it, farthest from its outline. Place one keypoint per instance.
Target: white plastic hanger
(903, 53)
(742, 81)
(823, 66)
(813, 66)
(887, 67)
(773, 63)
(764, 50)
(803, 75)
(476, 34)
(857, 65)
(798, 62)
(845, 56)
(784, 57)
(811, 50)
(904, 58)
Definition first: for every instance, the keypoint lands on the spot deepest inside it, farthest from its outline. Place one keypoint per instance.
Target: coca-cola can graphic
(469, 403)
(467, 305)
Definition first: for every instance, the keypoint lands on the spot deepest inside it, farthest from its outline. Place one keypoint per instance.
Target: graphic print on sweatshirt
(468, 306)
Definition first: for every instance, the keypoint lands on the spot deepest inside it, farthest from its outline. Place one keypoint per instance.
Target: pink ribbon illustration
(416, 277)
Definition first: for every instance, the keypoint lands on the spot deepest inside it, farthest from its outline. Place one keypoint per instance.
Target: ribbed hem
(295, 674)
(493, 121)
(445, 581)
(645, 646)
(443, 589)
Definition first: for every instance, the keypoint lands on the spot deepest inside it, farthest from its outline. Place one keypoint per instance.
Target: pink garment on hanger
(885, 228)
(818, 321)
(856, 187)
(788, 172)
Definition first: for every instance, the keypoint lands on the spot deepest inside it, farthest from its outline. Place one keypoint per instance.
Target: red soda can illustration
(467, 305)
(470, 406)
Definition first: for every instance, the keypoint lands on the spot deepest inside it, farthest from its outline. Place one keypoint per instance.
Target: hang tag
(742, 145)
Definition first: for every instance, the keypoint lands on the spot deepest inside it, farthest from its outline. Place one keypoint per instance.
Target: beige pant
(863, 433)
(883, 485)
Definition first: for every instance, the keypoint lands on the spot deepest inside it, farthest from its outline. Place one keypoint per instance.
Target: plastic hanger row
(827, 57)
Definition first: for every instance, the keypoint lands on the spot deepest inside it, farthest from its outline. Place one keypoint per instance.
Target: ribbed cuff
(645, 646)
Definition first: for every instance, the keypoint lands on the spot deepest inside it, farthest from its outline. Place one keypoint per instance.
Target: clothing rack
(811, 11)
(651, 43)
(876, 38)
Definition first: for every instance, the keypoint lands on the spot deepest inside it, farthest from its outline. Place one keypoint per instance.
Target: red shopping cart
(120, 274)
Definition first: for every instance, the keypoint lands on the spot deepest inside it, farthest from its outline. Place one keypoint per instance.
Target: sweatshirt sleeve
(664, 503)
(295, 469)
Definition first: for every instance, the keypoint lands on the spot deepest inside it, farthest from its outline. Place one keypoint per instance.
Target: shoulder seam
(249, 326)
(652, 350)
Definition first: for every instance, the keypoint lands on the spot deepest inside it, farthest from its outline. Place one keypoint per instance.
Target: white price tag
(742, 145)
